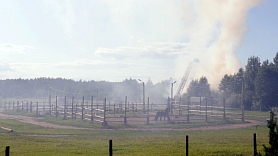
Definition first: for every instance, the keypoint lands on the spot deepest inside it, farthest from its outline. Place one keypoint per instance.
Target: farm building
(197, 100)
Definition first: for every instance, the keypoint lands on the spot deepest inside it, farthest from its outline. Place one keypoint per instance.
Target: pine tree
(273, 136)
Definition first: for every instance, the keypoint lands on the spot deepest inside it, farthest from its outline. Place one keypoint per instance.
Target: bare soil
(33, 120)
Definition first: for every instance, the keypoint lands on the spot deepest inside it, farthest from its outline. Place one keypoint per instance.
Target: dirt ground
(33, 120)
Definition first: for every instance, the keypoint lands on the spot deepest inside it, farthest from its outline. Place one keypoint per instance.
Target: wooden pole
(255, 144)
(148, 119)
(206, 110)
(56, 112)
(43, 107)
(65, 106)
(27, 107)
(37, 111)
(200, 105)
(92, 103)
(97, 108)
(224, 111)
(188, 108)
(104, 114)
(31, 106)
(82, 108)
(242, 101)
(72, 99)
(7, 151)
(110, 148)
(49, 103)
(180, 108)
(186, 145)
(125, 122)
(76, 105)
(114, 108)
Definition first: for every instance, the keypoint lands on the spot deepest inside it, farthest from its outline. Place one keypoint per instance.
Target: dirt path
(33, 120)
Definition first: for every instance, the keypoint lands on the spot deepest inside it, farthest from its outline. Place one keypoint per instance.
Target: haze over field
(114, 40)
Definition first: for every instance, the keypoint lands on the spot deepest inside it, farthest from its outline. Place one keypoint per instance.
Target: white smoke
(217, 29)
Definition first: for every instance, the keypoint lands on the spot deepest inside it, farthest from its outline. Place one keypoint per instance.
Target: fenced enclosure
(111, 113)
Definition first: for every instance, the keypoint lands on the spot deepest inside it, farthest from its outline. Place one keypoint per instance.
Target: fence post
(110, 148)
(31, 106)
(7, 151)
(255, 144)
(76, 105)
(37, 112)
(56, 112)
(224, 112)
(43, 107)
(188, 109)
(200, 105)
(65, 105)
(49, 103)
(169, 106)
(82, 108)
(27, 106)
(72, 107)
(21, 105)
(114, 108)
(9, 105)
(186, 145)
(104, 114)
(180, 108)
(125, 122)
(109, 108)
(17, 103)
(206, 110)
(13, 105)
(92, 103)
(148, 119)
(5, 105)
(97, 108)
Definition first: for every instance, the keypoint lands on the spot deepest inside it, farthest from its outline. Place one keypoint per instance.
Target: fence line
(127, 112)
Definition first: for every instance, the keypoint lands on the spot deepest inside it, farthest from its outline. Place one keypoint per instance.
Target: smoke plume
(217, 29)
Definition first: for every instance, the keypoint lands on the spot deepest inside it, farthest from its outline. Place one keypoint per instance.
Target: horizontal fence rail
(107, 112)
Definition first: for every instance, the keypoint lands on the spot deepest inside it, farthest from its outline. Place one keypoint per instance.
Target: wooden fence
(105, 112)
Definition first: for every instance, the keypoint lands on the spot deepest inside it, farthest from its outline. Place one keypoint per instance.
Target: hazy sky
(116, 39)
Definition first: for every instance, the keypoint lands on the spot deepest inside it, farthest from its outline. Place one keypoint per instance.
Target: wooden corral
(107, 113)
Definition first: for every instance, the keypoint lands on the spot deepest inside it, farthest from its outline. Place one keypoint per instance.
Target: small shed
(197, 100)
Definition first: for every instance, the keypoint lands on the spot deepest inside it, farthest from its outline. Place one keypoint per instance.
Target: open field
(157, 139)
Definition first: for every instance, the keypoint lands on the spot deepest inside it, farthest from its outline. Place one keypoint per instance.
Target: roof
(196, 99)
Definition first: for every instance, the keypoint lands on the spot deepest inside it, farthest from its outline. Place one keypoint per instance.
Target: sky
(147, 39)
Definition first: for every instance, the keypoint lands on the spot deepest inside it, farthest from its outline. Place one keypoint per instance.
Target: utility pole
(242, 98)
(172, 84)
(144, 109)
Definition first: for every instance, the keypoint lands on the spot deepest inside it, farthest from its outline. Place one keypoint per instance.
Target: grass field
(35, 140)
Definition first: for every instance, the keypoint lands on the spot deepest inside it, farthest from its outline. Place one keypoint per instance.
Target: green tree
(199, 87)
(266, 86)
(275, 60)
(251, 70)
(273, 136)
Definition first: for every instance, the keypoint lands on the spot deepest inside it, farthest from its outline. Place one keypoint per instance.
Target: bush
(273, 136)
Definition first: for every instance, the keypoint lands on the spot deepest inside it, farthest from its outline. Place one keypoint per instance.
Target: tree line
(259, 81)
(114, 91)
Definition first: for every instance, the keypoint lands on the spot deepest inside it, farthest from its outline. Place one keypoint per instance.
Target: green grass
(127, 142)
(31, 140)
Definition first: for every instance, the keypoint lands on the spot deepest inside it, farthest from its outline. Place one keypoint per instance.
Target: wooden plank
(7, 129)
